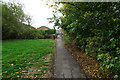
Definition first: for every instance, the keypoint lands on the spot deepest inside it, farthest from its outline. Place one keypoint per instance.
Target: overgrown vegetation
(27, 58)
(93, 28)
(16, 24)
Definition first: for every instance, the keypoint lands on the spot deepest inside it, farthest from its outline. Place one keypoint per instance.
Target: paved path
(65, 64)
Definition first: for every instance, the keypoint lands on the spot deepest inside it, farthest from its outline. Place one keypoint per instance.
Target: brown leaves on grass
(41, 72)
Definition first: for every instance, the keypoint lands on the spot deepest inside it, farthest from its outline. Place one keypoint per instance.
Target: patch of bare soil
(89, 64)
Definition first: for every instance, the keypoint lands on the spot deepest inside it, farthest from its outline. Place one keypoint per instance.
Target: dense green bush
(95, 29)
(47, 33)
(50, 31)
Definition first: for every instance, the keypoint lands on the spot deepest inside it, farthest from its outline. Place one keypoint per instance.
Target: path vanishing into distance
(65, 65)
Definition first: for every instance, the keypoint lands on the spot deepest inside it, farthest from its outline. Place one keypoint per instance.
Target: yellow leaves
(96, 65)
(5, 72)
(82, 17)
(39, 70)
(11, 64)
(18, 76)
(114, 19)
(26, 67)
(88, 13)
(26, 77)
(35, 76)
(90, 43)
(95, 70)
(64, 4)
(109, 57)
(99, 49)
(16, 72)
(102, 54)
(106, 66)
(83, 69)
(0, 74)
(24, 71)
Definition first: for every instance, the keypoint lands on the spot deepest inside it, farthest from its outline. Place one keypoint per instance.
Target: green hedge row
(95, 29)
(46, 33)
(49, 31)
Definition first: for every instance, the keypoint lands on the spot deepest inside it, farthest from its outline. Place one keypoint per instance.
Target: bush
(46, 33)
(50, 31)
(94, 28)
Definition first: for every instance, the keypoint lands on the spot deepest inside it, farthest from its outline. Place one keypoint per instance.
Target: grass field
(27, 58)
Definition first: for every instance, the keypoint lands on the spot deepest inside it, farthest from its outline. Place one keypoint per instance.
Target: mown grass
(20, 58)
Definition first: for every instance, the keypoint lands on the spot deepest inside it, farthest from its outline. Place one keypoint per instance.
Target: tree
(13, 21)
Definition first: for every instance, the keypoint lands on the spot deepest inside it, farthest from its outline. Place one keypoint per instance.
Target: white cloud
(39, 12)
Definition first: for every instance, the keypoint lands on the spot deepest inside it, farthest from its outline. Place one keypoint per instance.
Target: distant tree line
(16, 24)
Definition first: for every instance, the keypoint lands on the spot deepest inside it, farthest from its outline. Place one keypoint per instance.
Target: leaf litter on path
(88, 63)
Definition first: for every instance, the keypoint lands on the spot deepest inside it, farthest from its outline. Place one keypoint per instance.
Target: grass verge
(27, 58)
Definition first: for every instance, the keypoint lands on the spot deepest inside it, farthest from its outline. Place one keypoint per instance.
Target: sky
(39, 12)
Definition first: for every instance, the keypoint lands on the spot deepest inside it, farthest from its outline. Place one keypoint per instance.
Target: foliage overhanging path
(65, 64)
(93, 28)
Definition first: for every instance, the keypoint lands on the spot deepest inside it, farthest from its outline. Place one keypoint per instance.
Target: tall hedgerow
(95, 29)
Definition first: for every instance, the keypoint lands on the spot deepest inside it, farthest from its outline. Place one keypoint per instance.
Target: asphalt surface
(65, 65)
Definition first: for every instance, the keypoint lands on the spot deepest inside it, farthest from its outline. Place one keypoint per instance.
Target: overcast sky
(38, 10)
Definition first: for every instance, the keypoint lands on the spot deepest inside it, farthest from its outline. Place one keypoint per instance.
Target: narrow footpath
(65, 64)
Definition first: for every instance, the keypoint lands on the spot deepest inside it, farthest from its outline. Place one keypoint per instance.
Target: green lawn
(27, 58)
